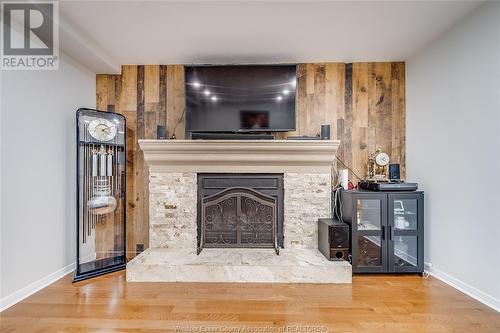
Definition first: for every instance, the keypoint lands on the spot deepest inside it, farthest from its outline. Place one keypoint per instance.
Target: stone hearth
(174, 164)
(237, 265)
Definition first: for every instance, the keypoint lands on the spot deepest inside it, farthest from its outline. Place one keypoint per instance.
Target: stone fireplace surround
(173, 168)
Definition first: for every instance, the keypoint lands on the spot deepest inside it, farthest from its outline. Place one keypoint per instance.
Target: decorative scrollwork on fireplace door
(239, 217)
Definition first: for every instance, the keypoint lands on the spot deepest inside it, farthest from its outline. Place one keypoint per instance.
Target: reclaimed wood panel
(129, 108)
(108, 230)
(128, 99)
(101, 86)
(364, 103)
(378, 106)
(141, 175)
(320, 97)
(175, 101)
(143, 93)
(346, 135)
(130, 179)
(360, 118)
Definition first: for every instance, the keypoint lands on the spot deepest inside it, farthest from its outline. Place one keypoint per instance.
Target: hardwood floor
(371, 304)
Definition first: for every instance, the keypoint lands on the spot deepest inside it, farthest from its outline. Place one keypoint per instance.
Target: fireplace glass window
(240, 211)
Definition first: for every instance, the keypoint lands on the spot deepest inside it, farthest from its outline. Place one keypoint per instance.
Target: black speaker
(394, 172)
(339, 254)
(325, 132)
(161, 132)
(333, 239)
(339, 235)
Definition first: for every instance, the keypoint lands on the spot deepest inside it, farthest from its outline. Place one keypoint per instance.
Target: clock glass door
(101, 193)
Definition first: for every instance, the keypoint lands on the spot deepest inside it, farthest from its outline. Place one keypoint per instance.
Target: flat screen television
(240, 98)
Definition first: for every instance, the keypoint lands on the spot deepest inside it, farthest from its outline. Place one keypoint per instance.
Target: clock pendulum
(102, 201)
(98, 172)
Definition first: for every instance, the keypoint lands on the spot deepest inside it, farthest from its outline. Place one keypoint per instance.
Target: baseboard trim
(32, 288)
(467, 289)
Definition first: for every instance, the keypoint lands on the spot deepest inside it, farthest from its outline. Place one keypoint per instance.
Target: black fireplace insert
(240, 210)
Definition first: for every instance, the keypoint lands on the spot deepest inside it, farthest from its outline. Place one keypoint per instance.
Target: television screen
(244, 98)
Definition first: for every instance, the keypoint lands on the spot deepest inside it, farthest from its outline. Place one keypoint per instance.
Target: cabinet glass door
(369, 234)
(405, 214)
(405, 232)
(369, 251)
(369, 214)
(405, 251)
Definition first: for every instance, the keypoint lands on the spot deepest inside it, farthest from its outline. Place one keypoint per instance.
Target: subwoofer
(333, 239)
(339, 254)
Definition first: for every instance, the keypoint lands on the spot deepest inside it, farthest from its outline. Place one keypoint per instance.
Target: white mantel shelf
(248, 156)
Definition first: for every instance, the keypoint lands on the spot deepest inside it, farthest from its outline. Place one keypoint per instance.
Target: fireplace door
(239, 217)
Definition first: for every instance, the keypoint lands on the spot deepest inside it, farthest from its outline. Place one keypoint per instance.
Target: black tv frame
(268, 131)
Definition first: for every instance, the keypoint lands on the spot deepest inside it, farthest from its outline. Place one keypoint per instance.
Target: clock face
(102, 129)
(382, 159)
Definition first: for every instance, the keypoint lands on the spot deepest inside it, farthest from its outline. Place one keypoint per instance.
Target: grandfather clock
(100, 193)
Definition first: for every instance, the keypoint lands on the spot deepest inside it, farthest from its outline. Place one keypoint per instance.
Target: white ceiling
(106, 34)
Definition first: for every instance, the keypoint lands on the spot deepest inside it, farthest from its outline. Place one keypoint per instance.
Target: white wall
(453, 151)
(37, 138)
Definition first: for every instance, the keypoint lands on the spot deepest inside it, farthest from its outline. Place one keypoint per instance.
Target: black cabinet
(387, 230)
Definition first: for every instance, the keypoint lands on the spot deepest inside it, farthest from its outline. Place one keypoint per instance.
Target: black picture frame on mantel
(100, 193)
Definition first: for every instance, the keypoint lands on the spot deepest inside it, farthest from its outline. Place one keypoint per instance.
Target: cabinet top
(357, 191)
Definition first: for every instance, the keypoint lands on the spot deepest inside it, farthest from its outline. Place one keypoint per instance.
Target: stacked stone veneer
(173, 209)
(307, 198)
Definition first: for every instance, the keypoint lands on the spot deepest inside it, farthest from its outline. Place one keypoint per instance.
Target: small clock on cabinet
(101, 175)
(382, 159)
(377, 165)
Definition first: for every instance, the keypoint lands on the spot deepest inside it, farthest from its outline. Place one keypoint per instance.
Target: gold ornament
(377, 166)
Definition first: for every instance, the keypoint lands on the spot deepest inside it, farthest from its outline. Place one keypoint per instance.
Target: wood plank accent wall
(147, 96)
(363, 102)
